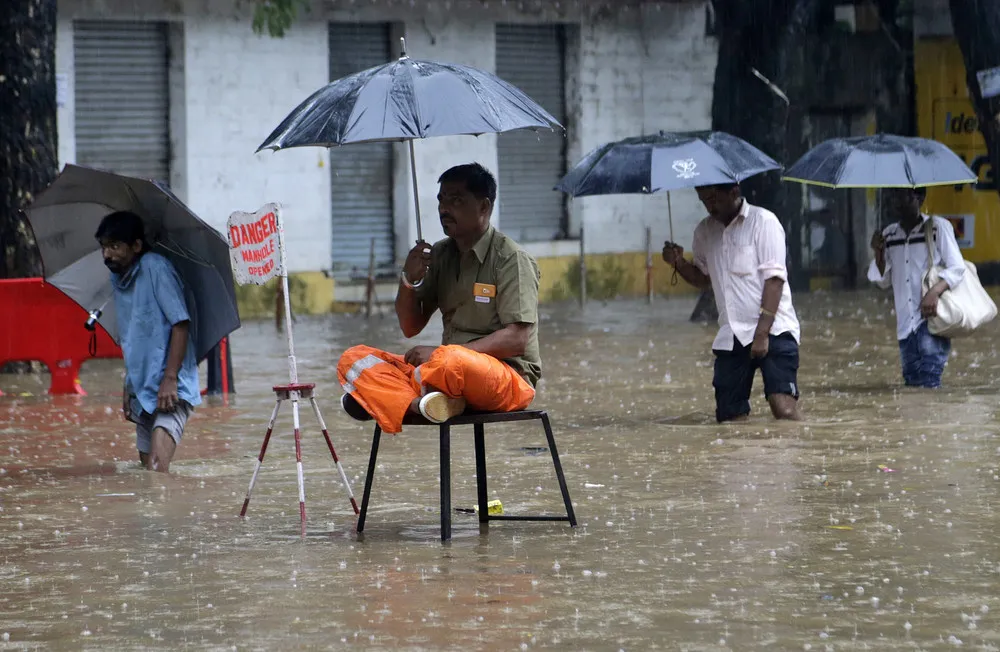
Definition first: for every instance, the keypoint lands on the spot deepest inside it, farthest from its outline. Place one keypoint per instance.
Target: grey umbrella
(65, 216)
(880, 161)
(404, 100)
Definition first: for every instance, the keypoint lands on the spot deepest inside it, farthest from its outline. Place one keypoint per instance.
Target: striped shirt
(906, 265)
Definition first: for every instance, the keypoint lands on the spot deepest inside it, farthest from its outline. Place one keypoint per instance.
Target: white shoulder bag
(960, 310)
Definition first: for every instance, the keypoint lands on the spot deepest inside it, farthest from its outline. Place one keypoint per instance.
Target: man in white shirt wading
(739, 251)
(901, 262)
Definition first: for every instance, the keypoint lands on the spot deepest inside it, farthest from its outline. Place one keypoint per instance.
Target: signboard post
(257, 254)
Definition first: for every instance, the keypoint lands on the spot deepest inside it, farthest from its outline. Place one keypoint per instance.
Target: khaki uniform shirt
(483, 290)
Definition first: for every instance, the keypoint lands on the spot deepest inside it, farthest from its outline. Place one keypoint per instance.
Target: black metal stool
(478, 421)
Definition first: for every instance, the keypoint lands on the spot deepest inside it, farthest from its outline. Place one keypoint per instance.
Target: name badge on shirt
(483, 292)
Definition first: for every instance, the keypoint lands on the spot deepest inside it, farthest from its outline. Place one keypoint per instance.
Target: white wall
(238, 88)
(640, 72)
(229, 89)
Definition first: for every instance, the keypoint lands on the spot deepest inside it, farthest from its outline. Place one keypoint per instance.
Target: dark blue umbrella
(65, 216)
(663, 162)
(881, 161)
(408, 99)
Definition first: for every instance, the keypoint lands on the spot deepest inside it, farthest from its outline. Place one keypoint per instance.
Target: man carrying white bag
(937, 293)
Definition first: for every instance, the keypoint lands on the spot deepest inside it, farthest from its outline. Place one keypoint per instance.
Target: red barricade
(38, 322)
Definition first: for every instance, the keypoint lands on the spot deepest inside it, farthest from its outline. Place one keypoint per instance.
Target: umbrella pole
(670, 216)
(583, 270)
(674, 279)
(649, 264)
(878, 210)
(416, 193)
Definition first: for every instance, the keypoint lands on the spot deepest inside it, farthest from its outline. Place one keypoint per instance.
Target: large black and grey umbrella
(663, 162)
(65, 216)
(881, 161)
(405, 100)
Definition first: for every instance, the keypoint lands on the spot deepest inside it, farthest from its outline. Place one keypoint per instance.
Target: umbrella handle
(670, 217)
(416, 194)
(674, 278)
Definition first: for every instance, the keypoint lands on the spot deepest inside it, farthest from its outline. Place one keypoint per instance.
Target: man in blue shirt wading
(155, 333)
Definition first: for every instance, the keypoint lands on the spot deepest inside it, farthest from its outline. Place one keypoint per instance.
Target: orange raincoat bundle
(385, 384)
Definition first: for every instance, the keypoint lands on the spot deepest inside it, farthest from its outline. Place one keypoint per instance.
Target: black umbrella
(663, 162)
(881, 161)
(65, 216)
(404, 100)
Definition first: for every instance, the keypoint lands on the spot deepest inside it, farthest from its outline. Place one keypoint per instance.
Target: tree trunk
(28, 160)
(767, 36)
(976, 24)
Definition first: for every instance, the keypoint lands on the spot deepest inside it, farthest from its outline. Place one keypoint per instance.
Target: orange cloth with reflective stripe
(385, 385)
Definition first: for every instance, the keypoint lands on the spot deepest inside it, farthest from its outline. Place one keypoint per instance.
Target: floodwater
(870, 525)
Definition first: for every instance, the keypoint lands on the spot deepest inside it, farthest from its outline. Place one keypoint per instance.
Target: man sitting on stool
(486, 288)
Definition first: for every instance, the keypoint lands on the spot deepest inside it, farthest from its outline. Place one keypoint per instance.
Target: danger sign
(255, 245)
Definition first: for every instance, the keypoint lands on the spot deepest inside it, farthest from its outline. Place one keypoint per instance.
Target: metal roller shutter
(531, 57)
(122, 97)
(362, 173)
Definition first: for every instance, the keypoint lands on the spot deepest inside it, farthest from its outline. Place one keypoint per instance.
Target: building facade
(184, 91)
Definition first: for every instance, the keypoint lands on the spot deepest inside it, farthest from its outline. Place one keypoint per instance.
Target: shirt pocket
(483, 315)
(744, 260)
